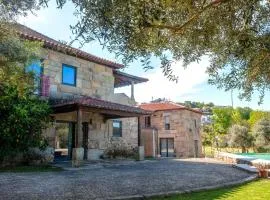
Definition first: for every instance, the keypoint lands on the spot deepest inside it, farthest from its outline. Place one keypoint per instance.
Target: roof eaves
(72, 51)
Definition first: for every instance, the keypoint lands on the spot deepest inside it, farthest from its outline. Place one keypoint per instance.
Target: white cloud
(159, 86)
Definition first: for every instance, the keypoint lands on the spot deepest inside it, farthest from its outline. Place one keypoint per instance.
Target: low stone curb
(176, 192)
(246, 168)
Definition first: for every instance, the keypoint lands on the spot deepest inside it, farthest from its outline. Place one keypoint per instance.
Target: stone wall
(100, 135)
(92, 79)
(122, 99)
(182, 130)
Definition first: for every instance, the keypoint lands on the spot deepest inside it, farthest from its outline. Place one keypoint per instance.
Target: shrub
(240, 137)
(261, 133)
(120, 151)
(23, 117)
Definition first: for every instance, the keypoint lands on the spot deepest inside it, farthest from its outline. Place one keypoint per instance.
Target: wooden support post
(78, 138)
(132, 91)
(78, 151)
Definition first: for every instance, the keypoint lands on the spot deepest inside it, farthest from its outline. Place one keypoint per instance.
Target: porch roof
(123, 79)
(107, 108)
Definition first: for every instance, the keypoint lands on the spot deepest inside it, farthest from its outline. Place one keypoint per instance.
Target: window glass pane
(36, 68)
(116, 124)
(69, 75)
(117, 128)
(147, 121)
(167, 119)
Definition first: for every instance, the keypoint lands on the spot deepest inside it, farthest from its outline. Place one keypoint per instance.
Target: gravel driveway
(115, 179)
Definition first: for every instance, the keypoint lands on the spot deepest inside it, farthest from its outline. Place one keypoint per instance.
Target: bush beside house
(23, 115)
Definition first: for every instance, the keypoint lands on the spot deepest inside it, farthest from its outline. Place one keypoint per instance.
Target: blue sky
(192, 85)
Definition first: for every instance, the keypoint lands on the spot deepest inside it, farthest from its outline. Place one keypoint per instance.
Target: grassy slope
(257, 190)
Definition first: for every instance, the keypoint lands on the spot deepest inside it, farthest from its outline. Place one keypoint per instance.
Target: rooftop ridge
(31, 34)
(165, 105)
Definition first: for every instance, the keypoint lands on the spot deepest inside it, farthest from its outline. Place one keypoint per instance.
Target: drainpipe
(154, 143)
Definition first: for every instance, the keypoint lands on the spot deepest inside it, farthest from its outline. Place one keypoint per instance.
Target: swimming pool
(264, 156)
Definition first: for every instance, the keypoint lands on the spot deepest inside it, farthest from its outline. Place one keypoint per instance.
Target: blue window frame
(37, 69)
(69, 74)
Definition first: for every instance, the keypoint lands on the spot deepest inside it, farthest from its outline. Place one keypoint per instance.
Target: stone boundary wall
(238, 159)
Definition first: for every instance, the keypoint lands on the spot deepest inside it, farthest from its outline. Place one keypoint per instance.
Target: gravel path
(109, 180)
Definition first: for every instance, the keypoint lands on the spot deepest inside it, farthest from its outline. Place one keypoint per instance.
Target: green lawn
(256, 190)
(46, 168)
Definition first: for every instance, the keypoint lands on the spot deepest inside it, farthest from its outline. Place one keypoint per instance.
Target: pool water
(264, 156)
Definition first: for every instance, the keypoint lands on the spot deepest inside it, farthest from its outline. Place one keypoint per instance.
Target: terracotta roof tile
(163, 106)
(97, 103)
(30, 34)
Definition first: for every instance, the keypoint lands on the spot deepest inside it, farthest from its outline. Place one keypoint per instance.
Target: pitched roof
(98, 104)
(30, 34)
(165, 106)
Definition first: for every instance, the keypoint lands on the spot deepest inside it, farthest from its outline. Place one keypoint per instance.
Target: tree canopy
(23, 114)
(256, 116)
(234, 34)
(240, 137)
(222, 119)
(261, 132)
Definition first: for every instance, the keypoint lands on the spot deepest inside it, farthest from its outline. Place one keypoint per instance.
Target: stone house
(89, 116)
(171, 130)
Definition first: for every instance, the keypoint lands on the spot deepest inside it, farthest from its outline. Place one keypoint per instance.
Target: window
(117, 128)
(167, 123)
(195, 123)
(147, 121)
(69, 74)
(37, 69)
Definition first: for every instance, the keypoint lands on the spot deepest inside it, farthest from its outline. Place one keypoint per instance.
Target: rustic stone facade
(184, 130)
(93, 80)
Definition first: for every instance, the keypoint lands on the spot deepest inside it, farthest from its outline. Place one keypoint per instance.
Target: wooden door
(166, 147)
(170, 143)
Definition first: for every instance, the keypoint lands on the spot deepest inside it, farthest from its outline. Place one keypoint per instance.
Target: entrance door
(85, 139)
(64, 140)
(167, 147)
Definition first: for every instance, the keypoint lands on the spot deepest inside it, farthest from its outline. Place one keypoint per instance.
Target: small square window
(167, 123)
(117, 128)
(147, 121)
(69, 74)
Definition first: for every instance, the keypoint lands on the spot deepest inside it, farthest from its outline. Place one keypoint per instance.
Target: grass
(46, 168)
(256, 190)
